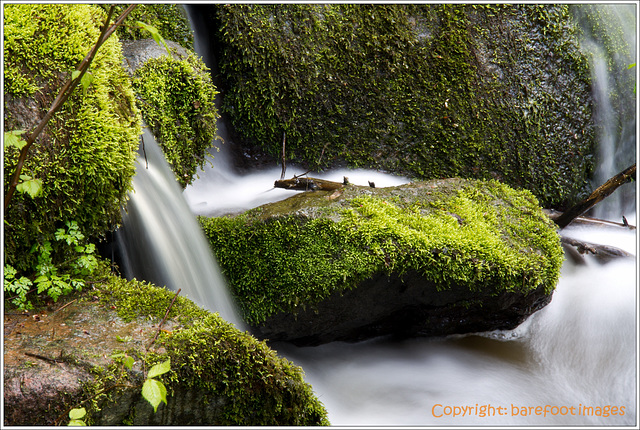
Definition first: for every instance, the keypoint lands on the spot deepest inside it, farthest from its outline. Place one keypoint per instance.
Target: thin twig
(65, 305)
(284, 161)
(322, 153)
(42, 357)
(163, 319)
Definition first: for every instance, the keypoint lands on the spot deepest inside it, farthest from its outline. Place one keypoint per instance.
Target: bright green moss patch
(176, 98)
(482, 235)
(85, 156)
(252, 385)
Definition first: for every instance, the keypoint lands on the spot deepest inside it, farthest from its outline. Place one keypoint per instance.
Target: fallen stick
(308, 184)
(603, 191)
(603, 253)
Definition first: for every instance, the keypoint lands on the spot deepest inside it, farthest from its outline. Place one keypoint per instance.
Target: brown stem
(62, 97)
(164, 319)
(603, 191)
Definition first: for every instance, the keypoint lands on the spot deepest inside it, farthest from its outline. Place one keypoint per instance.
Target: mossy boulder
(85, 156)
(177, 100)
(219, 375)
(428, 91)
(427, 258)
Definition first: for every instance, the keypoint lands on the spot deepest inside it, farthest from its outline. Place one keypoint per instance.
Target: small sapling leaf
(86, 80)
(30, 186)
(155, 393)
(154, 33)
(12, 138)
(76, 416)
(128, 362)
(159, 369)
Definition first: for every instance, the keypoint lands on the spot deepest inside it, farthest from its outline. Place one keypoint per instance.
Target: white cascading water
(616, 134)
(571, 363)
(163, 243)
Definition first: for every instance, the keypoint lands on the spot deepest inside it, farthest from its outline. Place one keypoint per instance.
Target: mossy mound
(219, 375)
(429, 91)
(85, 156)
(177, 100)
(479, 239)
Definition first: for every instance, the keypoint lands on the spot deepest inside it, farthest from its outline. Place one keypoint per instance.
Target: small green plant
(153, 390)
(52, 278)
(76, 417)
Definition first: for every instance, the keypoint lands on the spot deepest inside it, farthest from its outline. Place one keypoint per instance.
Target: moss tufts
(85, 156)
(176, 97)
(482, 235)
(429, 91)
(252, 385)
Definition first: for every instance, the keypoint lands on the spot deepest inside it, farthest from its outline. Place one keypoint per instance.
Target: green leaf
(128, 362)
(155, 392)
(631, 66)
(76, 414)
(29, 185)
(12, 138)
(86, 80)
(155, 34)
(159, 369)
(76, 423)
(75, 75)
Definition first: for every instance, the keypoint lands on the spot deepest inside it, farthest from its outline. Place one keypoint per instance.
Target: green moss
(85, 156)
(482, 235)
(176, 98)
(210, 356)
(430, 91)
(169, 19)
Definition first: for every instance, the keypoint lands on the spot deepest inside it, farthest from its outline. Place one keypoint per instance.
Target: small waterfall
(162, 242)
(609, 41)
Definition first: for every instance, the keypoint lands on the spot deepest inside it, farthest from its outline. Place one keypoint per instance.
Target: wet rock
(137, 52)
(429, 258)
(62, 357)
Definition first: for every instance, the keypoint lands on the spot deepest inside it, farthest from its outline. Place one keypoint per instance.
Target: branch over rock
(603, 191)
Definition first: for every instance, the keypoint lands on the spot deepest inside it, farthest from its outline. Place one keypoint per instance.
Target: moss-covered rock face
(85, 156)
(478, 239)
(169, 19)
(430, 91)
(177, 100)
(219, 375)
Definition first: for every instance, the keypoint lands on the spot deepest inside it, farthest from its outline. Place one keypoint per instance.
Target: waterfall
(161, 240)
(609, 41)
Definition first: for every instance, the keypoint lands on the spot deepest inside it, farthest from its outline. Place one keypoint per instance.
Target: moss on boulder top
(177, 100)
(85, 155)
(428, 91)
(219, 375)
(451, 244)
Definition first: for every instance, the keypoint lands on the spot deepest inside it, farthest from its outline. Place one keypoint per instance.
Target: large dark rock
(404, 306)
(423, 259)
(427, 91)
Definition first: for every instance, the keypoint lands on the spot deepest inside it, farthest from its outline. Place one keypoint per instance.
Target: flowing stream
(571, 363)
(163, 243)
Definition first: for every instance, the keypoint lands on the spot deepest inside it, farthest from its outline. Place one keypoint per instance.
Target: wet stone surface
(49, 354)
